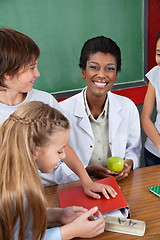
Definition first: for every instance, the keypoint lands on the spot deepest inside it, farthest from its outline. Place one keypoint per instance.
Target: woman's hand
(128, 164)
(98, 170)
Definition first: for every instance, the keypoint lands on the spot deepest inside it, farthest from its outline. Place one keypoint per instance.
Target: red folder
(75, 196)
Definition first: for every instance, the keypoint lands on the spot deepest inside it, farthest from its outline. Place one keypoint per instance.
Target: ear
(36, 153)
(7, 76)
(83, 72)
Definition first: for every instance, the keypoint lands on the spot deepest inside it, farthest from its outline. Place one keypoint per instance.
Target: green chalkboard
(60, 28)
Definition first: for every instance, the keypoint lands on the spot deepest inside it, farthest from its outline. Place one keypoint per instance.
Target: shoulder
(122, 104)
(153, 75)
(73, 105)
(72, 100)
(38, 93)
(124, 101)
(154, 70)
(45, 97)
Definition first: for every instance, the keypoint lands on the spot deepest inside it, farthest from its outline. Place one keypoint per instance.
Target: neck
(11, 98)
(96, 104)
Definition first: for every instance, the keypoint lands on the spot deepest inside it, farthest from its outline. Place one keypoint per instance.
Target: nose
(101, 74)
(37, 73)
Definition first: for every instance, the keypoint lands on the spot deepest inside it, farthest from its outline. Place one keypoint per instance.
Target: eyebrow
(98, 63)
(33, 63)
(157, 50)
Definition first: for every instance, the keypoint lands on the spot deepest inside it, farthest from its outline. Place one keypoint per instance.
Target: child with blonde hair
(18, 72)
(35, 135)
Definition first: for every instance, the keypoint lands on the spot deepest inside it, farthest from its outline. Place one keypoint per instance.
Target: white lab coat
(124, 129)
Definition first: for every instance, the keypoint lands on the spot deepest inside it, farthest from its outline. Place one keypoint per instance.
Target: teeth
(100, 83)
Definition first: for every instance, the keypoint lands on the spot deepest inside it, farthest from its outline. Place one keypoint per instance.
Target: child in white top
(152, 144)
(18, 72)
(35, 135)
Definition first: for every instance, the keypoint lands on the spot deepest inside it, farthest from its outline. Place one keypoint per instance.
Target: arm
(91, 188)
(147, 124)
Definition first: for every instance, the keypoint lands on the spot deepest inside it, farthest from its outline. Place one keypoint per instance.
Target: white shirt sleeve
(53, 233)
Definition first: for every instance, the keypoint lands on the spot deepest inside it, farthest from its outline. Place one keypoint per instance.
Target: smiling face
(158, 52)
(48, 156)
(100, 74)
(23, 81)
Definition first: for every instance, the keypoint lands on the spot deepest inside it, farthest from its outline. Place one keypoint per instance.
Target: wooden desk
(143, 204)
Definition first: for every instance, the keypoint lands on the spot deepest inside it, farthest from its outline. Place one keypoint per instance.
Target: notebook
(75, 196)
(155, 189)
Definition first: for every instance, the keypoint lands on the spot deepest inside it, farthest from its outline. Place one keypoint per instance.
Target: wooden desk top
(144, 205)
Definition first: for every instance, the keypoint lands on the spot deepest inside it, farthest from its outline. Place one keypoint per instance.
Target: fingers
(110, 190)
(99, 214)
(92, 211)
(92, 226)
(95, 214)
(79, 209)
(93, 195)
(99, 224)
(121, 176)
(106, 190)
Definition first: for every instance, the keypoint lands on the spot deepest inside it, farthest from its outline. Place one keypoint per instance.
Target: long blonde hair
(29, 126)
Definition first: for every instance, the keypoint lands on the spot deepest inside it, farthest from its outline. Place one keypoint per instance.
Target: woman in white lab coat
(103, 124)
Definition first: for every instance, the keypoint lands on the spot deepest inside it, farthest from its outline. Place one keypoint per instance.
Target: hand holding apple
(115, 164)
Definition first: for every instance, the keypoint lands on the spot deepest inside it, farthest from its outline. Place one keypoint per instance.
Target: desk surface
(144, 205)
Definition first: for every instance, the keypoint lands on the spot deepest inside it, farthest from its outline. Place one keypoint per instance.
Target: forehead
(100, 57)
(158, 45)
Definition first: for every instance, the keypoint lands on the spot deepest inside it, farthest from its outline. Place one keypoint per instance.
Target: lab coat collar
(114, 116)
(82, 115)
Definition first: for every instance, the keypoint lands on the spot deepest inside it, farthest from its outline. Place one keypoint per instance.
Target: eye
(59, 152)
(32, 67)
(93, 67)
(110, 68)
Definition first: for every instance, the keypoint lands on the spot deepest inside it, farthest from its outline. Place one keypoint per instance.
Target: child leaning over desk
(152, 144)
(35, 135)
(18, 72)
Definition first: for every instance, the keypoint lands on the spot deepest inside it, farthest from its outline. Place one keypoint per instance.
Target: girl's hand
(93, 188)
(69, 214)
(84, 226)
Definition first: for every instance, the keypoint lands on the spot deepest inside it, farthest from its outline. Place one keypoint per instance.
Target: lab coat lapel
(114, 118)
(80, 113)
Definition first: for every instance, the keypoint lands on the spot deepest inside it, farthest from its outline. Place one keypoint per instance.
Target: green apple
(115, 164)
